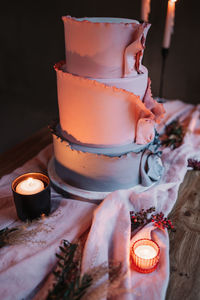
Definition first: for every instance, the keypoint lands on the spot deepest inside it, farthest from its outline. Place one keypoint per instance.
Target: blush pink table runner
(25, 268)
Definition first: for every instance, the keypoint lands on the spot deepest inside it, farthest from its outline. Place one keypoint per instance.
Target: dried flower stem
(24, 233)
(98, 282)
(174, 134)
(144, 217)
(194, 163)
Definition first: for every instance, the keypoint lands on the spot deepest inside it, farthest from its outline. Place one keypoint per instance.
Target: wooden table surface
(184, 243)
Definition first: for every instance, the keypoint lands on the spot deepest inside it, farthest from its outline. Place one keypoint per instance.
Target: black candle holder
(32, 206)
(164, 53)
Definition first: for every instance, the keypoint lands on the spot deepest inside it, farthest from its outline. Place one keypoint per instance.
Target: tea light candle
(30, 186)
(32, 195)
(145, 255)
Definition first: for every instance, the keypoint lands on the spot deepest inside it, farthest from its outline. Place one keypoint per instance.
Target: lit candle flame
(30, 181)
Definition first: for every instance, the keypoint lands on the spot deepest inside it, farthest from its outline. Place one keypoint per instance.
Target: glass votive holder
(145, 255)
(32, 195)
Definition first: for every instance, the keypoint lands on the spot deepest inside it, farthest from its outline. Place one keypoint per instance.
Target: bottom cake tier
(105, 169)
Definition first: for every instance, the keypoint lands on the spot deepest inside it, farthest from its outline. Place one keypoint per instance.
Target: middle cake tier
(104, 112)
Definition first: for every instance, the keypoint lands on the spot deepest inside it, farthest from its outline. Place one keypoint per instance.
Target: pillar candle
(169, 24)
(145, 10)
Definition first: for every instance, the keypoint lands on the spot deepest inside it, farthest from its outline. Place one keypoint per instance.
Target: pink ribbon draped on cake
(24, 268)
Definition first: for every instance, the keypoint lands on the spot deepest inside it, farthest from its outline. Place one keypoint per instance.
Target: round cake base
(72, 192)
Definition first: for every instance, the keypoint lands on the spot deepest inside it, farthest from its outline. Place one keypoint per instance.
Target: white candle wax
(145, 10)
(145, 251)
(169, 23)
(30, 186)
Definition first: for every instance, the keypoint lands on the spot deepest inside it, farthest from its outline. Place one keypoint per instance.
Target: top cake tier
(104, 47)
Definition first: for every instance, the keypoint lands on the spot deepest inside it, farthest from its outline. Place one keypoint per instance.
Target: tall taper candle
(169, 24)
(145, 10)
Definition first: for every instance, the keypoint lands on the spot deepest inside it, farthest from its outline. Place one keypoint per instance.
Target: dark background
(32, 40)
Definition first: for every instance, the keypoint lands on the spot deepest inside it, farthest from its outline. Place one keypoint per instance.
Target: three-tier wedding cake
(105, 139)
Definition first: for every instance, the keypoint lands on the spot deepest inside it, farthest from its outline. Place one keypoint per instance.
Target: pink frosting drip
(145, 131)
(134, 52)
(156, 108)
